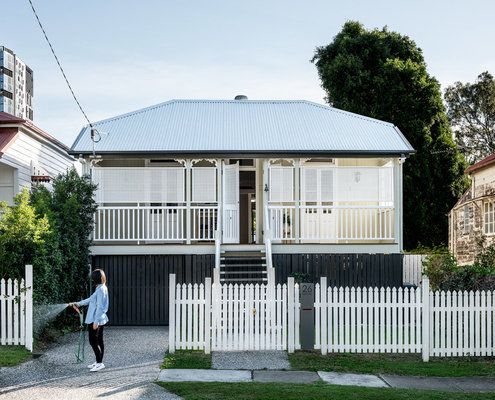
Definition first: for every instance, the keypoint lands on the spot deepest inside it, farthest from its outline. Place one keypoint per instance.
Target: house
(237, 187)
(473, 215)
(28, 155)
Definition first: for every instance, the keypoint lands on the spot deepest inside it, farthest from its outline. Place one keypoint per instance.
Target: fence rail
(16, 310)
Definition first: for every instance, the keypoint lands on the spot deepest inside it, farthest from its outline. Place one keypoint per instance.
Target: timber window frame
(489, 217)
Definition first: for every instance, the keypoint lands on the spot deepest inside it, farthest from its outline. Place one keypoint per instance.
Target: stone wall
(462, 240)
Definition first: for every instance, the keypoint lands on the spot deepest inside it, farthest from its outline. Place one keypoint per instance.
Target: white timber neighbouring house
(28, 155)
(239, 186)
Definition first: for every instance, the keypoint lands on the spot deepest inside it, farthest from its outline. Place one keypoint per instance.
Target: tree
(26, 238)
(74, 207)
(382, 74)
(471, 111)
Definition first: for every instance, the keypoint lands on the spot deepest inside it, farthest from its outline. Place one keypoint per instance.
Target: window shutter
(326, 184)
(309, 184)
(158, 185)
(204, 185)
(386, 192)
(281, 184)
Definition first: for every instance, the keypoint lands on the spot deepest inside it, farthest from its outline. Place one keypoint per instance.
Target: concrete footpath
(467, 384)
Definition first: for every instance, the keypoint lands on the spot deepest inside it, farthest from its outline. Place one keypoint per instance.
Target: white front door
(230, 196)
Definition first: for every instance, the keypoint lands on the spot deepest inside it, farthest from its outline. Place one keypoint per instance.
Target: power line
(60, 65)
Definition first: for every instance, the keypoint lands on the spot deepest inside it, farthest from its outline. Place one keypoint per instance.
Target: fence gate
(226, 317)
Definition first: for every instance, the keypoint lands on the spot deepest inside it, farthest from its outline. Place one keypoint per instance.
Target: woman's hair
(98, 277)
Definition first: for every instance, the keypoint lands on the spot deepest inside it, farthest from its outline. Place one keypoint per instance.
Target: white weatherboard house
(189, 185)
(28, 155)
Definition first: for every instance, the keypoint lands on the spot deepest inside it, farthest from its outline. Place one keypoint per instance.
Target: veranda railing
(331, 223)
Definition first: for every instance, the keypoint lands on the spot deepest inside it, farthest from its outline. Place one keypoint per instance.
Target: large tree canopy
(471, 111)
(383, 75)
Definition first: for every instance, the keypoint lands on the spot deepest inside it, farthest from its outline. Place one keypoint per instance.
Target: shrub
(26, 238)
(50, 230)
(446, 274)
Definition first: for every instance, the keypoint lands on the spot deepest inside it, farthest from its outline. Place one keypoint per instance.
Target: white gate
(230, 197)
(234, 317)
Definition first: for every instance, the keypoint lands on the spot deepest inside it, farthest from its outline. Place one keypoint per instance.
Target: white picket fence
(16, 311)
(233, 317)
(403, 320)
(364, 320)
(412, 268)
(354, 320)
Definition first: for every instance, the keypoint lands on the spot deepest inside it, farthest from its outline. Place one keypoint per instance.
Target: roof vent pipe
(240, 97)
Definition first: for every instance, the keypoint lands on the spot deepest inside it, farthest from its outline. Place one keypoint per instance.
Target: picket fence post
(323, 315)
(171, 314)
(29, 307)
(425, 341)
(207, 327)
(290, 310)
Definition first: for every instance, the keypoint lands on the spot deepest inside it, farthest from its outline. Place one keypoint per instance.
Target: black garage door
(138, 285)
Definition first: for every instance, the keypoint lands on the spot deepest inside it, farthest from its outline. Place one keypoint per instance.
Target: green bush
(52, 231)
(446, 274)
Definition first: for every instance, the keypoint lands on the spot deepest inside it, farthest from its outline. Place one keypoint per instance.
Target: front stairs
(243, 267)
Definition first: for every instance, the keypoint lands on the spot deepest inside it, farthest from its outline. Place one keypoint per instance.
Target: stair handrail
(268, 249)
(216, 269)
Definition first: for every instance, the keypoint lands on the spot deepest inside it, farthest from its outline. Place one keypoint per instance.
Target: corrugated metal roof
(250, 126)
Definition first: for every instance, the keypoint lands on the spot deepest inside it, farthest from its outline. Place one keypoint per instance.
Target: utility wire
(60, 65)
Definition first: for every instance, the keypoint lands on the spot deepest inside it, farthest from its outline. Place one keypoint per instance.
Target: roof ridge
(312, 103)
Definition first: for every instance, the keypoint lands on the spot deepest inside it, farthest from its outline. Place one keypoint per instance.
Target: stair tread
(243, 279)
(242, 265)
(242, 254)
(241, 272)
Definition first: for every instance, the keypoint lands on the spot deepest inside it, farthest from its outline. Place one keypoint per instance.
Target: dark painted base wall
(358, 270)
(138, 285)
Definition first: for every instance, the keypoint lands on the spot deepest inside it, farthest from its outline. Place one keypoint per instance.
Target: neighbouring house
(473, 216)
(189, 186)
(28, 155)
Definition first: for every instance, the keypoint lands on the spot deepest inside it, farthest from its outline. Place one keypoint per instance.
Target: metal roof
(243, 126)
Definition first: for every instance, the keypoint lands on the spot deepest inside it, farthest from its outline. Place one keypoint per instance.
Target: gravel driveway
(132, 359)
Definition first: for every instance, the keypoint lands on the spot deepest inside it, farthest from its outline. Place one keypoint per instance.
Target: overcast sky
(122, 55)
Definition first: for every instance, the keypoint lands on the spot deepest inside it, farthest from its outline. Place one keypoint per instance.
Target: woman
(96, 317)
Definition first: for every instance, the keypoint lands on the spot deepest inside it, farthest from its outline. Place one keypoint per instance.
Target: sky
(122, 55)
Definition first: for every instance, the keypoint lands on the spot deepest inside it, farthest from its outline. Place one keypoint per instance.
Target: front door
(230, 196)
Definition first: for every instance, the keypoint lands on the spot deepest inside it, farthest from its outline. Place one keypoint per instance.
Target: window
(466, 219)
(489, 218)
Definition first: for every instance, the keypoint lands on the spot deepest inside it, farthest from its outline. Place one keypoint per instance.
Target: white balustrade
(332, 223)
(154, 223)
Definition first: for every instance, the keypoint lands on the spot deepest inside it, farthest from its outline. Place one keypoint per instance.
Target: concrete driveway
(132, 359)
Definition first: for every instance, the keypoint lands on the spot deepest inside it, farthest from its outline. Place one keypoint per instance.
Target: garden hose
(81, 342)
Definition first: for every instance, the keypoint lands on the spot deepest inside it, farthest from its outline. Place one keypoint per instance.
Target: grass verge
(13, 355)
(317, 391)
(398, 364)
(187, 359)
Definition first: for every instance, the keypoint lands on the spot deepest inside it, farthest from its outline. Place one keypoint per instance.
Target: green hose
(82, 340)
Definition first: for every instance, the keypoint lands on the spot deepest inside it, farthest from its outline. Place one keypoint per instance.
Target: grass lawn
(187, 359)
(13, 355)
(317, 391)
(398, 364)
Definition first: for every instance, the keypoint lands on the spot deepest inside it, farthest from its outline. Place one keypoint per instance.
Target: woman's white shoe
(92, 365)
(97, 367)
